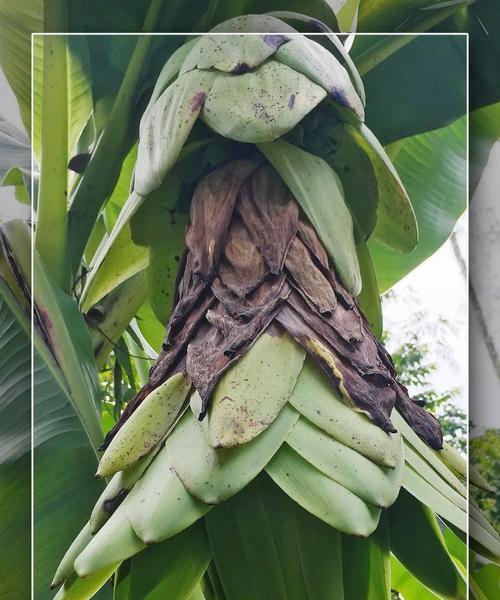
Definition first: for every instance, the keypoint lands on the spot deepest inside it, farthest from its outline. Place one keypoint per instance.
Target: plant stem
(51, 227)
(104, 167)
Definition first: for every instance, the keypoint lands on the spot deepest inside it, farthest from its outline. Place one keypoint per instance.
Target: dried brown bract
(252, 259)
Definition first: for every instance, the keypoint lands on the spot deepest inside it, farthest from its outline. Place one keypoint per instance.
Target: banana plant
(271, 451)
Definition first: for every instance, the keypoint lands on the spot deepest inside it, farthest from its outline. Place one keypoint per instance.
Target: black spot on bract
(320, 25)
(275, 40)
(241, 68)
(339, 97)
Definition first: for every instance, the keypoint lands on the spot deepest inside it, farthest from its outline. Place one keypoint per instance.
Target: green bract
(247, 87)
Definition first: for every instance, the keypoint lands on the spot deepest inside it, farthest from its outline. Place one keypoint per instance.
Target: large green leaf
(317, 9)
(438, 196)
(421, 87)
(481, 20)
(16, 58)
(427, 557)
(63, 459)
(15, 422)
(112, 146)
(398, 15)
(366, 564)
(407, 585)
(72, 348)
(266, 546)
(124, 16)
(17, 22)
(487, 578)
(52, 202)
(79, 82)
(63, 328)
(14, 150)
(171, 569)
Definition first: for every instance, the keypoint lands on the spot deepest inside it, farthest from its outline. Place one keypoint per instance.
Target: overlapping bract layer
(344, 483)
(253, 264)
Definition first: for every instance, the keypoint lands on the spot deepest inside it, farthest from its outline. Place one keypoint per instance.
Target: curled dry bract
(255, 264)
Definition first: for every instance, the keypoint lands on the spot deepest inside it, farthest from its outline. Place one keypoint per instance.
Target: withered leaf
(242, 267)
(309, 279)
(189, 288)
(340, 332)
(369, 396)
(252, 266)
(310, 238)
(211, 211)
(420, 420)
(170, 353)
(209, 355)
(273, 287)
(270, 214)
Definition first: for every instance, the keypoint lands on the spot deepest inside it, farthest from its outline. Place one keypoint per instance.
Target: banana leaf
(438, 196)
(63, 457)
(171, 569)
(266, 546)
(394, 15)
(419, 88)
(15, 421)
